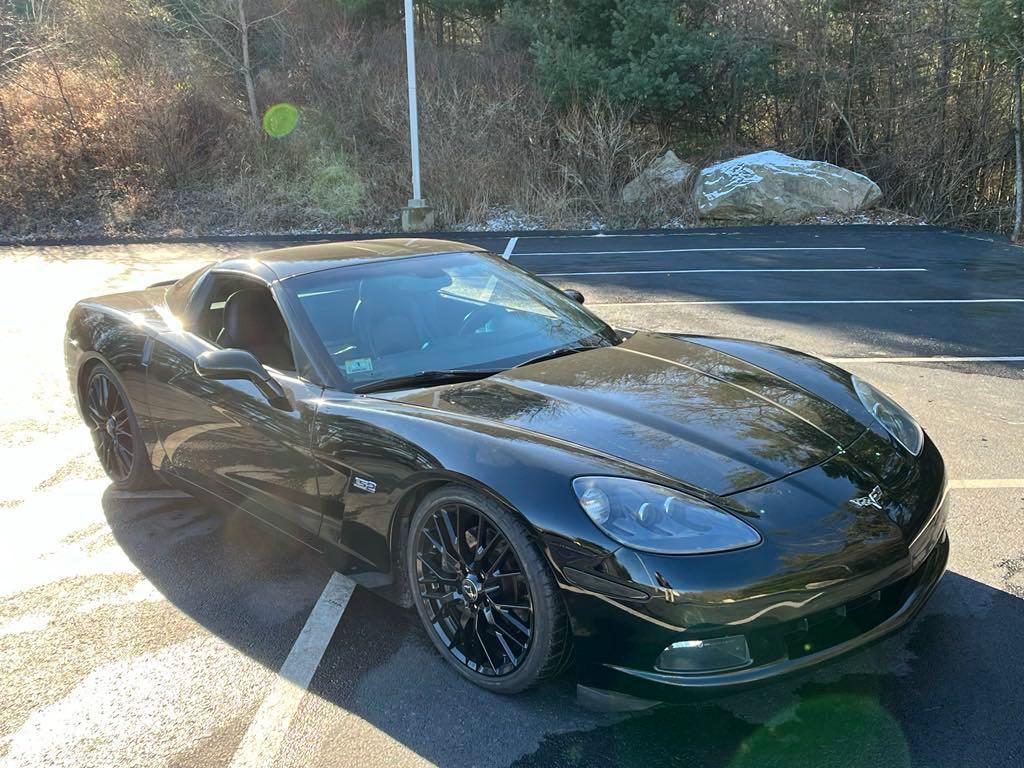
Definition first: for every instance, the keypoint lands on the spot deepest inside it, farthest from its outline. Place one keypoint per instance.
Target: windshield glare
(439, 312)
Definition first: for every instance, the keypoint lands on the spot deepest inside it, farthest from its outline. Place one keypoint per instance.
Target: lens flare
(855, 726)
(280, 120)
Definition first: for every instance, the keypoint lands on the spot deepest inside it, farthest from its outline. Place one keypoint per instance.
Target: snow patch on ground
(873, 216)
(508, 220)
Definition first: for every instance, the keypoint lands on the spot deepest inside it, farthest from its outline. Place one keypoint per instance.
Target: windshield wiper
(560, 352)
(451, 376)
(425, 379)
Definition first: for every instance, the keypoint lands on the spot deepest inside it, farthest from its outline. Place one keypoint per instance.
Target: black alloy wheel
(115, 432)
(483, 591)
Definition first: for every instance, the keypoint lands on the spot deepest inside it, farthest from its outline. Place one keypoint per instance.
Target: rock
(773, 187)
(666, 172)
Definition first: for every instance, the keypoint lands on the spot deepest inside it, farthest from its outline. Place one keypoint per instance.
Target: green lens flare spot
(280, 120)
(849, 724)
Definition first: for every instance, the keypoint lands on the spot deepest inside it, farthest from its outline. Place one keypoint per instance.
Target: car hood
(704, 417)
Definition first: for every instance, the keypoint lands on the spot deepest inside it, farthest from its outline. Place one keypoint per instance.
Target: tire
(498, 659)
(115, 432)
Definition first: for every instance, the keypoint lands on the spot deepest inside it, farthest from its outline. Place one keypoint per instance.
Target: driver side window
(241, 313)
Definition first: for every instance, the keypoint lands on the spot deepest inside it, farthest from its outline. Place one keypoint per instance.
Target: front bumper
(830, 578)
(796, 645)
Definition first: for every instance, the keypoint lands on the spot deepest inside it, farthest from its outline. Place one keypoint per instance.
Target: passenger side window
(242, 314)
(210, 321)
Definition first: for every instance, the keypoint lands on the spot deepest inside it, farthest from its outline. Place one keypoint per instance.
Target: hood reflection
(685, 410)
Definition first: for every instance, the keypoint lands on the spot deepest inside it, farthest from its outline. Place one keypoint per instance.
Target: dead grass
(153, 144)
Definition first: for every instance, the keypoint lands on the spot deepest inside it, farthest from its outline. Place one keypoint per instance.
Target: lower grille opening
(825, 629)
(828, 628)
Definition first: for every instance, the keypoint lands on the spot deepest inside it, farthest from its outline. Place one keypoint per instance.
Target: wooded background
(148, 115)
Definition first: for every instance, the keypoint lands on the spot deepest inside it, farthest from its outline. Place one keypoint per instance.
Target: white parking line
(806, 301)
(716, 271)
(262, 741)
(1003, 482)
(938, 359)
(683, 250)
(509, 247)
(667, 233)
(169, 493)
(663, 233)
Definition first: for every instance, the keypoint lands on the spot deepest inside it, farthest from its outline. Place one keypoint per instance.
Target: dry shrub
(134, 128)
(127, 34)
(96, 141)
(60, 124)
(906, 92)
(180, 136)
(600, 148)
(302, 181)
(483, 138)
(488, 139)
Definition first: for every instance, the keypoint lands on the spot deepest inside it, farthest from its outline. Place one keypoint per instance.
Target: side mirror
(236, 364)
(573, 294)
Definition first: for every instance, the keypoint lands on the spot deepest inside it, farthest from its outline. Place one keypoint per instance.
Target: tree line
(122, 114)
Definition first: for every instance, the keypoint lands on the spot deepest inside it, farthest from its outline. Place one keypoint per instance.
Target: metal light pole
(417, 215)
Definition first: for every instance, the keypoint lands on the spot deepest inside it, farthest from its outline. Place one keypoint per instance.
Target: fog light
(713, 655)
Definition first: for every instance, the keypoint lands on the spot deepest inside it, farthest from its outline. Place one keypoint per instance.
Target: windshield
(453, 311)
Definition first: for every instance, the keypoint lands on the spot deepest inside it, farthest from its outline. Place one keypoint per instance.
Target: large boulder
(773, 187)
(667, 172)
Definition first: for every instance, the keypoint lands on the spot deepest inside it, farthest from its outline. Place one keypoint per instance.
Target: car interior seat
(253, 322)
(387, 321)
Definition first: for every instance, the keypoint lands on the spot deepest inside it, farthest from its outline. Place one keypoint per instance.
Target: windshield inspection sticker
(358, 365)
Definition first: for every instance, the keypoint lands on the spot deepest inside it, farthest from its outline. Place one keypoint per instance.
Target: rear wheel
(115, 432)
(484, 592)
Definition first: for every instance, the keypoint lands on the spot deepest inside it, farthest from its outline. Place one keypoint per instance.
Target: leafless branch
(202, 27)
(270, 16)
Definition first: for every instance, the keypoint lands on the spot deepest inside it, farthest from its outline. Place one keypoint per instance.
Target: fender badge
(364, 485)
(873, 499)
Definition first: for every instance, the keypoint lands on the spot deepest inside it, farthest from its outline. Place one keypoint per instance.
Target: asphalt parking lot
(149, 629)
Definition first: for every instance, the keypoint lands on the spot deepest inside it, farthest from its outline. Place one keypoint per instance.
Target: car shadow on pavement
(239, 579)
(946, 691)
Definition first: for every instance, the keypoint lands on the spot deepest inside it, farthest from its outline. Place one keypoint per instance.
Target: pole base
(417, 216)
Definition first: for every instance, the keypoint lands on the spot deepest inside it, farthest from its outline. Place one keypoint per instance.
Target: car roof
(299, 260)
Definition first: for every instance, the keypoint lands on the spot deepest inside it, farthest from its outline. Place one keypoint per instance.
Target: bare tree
(225, 25)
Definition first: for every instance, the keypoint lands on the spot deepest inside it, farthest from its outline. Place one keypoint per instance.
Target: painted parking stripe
(667, 233)
(717, 271)
(1001, 482)
(805, 301)
(168, 493)
(262, 741)
(688, 250)
(744, 231)
(509, 247)
(937, 359)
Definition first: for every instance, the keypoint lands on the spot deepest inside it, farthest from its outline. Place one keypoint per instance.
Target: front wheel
(484, 592)
(115, 432)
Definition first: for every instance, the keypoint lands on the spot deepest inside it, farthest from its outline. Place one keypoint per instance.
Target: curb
(455, 235)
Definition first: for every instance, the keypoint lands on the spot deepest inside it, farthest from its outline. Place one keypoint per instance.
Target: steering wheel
(478, 318)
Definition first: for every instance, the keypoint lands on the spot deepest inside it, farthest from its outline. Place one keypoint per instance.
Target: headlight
(655, 519)
(897, 422)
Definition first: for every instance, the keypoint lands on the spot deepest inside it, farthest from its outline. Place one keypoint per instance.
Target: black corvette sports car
(666, 513)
